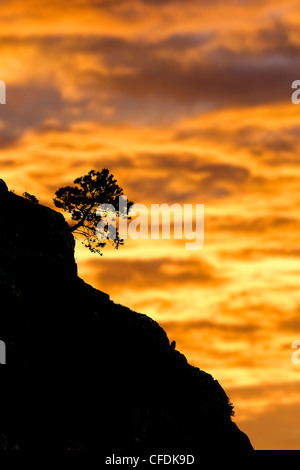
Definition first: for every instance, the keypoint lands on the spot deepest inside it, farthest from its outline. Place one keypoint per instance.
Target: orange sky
(185, 102)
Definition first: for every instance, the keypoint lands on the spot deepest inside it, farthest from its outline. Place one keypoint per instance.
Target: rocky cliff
(84, 373)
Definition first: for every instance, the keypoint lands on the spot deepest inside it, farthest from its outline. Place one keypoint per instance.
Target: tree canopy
(82, 201)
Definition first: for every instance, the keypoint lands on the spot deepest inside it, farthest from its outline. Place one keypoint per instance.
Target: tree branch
(81, 221)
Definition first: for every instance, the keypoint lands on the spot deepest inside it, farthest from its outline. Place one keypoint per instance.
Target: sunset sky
(184, 102)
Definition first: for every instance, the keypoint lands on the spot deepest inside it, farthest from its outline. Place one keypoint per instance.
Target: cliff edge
(83, 372)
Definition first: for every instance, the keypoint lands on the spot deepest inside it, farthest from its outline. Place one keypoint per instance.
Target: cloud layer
(184, 105)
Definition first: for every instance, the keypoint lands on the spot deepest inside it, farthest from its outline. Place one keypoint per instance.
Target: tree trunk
(81, 221)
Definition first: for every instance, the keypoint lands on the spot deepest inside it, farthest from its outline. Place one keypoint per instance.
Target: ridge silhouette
(85, 373)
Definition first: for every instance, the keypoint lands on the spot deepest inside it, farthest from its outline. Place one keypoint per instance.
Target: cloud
(151, 274)
(254, 224)
(116, 72)
(185, 178)
(259, 253)
(222, 329)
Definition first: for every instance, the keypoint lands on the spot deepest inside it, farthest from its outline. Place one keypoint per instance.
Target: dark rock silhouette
(3, 187)
(84, 373)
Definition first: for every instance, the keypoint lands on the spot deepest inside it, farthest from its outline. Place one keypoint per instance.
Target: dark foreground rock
(84, 373)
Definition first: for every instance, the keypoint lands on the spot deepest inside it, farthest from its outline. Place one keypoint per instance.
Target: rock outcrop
(83, 372)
